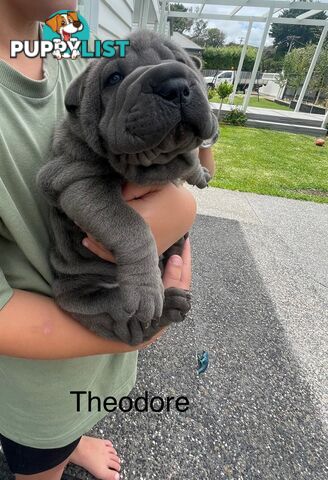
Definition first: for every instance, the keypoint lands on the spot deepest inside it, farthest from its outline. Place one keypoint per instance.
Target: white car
(225, 76)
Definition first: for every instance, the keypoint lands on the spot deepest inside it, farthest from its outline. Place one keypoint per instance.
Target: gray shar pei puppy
(138, 119)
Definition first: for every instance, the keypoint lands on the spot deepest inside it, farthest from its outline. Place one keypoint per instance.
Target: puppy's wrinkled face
(146, 108)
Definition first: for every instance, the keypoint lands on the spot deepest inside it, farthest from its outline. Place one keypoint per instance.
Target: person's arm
(156, 205)
(139, 198)
(33, 326)
(206, 158)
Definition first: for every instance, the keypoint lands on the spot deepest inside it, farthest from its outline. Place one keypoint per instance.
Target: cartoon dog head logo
(65, 25)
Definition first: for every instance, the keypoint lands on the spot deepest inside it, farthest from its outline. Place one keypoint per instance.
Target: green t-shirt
(36, 407)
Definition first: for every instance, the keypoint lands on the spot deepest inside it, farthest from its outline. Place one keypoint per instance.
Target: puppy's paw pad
(177, 304)
(142, 302)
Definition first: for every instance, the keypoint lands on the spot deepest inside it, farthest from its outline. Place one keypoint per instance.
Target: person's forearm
(169, 210)
(177, 208)
(33, 326)
(206, 158)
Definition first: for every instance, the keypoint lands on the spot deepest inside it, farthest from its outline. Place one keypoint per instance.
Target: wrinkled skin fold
(139, 119)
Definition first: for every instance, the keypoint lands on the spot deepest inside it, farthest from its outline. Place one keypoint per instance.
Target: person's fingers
(187, 265)
(178, 269)
(98, 249)
(173, 272)
(177, 272)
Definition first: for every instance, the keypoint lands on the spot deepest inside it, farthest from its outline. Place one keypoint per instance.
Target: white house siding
(110, 19)
(153, 14)
(115, 19)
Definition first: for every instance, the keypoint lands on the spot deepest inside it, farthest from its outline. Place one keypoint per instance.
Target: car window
(226, 75)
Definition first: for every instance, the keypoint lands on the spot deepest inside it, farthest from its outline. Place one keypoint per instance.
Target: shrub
(227, 58)
(235, 117)
(211, 93)
(224, 89)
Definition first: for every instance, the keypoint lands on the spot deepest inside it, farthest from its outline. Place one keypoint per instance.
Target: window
(226, 75)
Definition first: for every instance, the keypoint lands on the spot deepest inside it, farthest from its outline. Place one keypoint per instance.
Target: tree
(180, 24)
(283, 34)
(224, 89)
(211, 37)
(216, 37)
(198, 31)
(319, 81)
(296, 65)
(271, 60)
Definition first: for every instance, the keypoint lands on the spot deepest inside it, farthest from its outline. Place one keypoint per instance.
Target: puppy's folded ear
(74, 92)
(197, 61)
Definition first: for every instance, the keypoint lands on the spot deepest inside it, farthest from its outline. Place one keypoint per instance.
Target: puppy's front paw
(204, 178)
(199, 177)
(142, 299)
(177, 303)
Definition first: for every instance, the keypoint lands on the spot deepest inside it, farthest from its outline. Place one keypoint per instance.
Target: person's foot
(98, 457)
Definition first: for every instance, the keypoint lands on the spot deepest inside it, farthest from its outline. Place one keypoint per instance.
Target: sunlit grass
(271, 163)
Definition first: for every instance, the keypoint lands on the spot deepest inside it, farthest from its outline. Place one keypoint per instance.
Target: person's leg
(32, 463)
(53, 474)
(95, 455)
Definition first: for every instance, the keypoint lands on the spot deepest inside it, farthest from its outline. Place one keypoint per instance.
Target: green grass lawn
(254, 102)
(271, 163)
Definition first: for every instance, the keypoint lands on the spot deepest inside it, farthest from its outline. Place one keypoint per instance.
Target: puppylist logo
(66, 30)
(66, 35)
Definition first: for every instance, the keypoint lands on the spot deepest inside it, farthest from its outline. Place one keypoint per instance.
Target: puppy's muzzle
(175, 90)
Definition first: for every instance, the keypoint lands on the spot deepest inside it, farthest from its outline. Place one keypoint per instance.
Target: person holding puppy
(44, 353)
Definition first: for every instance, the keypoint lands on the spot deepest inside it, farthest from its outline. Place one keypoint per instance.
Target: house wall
(117, 18)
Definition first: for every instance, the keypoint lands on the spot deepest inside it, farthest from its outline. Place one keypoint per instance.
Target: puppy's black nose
(77, 24)
(175, 90)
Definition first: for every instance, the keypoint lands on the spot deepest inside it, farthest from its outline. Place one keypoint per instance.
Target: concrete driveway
(260, 279)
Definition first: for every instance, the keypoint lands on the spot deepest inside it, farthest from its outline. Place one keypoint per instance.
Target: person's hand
(178, 269)
(97, 248)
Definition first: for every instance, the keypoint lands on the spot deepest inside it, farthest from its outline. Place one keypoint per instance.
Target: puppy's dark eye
(114, 78)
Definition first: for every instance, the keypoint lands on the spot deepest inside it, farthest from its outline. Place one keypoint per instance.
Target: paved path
(288, 114)
(260, 309)
(280, 120)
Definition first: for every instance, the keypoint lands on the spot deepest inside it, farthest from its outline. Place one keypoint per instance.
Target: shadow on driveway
(251, 416)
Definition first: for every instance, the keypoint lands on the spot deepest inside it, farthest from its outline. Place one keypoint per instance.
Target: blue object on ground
(202, 359)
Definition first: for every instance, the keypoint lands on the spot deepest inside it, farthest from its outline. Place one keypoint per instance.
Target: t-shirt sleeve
(6, 291)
